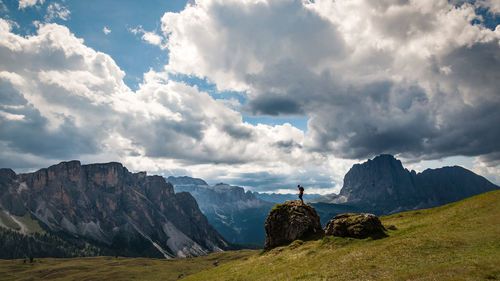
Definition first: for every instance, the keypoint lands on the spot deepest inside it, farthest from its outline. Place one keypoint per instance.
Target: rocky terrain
(291, 221)
(384, 186)
(294, 220)
(237, 215)
(130, 214)
(355, 225)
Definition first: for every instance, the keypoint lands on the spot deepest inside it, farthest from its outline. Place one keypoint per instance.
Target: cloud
(150, 37)
(3, 7)
(29, 3)
(246, 39)
(62, 100)
(491, 5)
(51, 93)
(56, 11)
(424, 89)
(106, 30)
(414, 78)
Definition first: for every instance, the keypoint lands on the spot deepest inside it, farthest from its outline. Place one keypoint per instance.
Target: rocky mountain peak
(383, 185)
(377, 178)
(185, 180)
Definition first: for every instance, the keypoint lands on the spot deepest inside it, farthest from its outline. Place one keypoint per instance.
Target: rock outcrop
(354, 225)
(131, 214)
(291, 221)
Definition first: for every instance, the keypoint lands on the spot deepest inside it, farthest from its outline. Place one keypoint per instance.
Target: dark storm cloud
(274, 105)
(401, 77)
(369, 118)
(238, 132)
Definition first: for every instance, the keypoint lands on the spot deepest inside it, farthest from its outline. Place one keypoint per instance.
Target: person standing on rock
(301, 192)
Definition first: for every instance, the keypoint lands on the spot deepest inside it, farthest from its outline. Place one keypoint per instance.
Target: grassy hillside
(111, 268)
(459, 241)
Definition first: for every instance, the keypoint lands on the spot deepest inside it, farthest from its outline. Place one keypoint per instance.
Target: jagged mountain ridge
(382, 185)
(131, 213)
(280, 197)
(237, 215)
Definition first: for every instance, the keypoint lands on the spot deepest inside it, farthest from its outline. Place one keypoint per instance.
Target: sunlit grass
(30, 223)
(111, 268)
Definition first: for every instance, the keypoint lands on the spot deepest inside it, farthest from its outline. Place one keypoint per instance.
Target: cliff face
(131, 213)
(384, 186)
(237, 215)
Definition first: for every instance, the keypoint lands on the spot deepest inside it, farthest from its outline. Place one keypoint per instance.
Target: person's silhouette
(301, 192)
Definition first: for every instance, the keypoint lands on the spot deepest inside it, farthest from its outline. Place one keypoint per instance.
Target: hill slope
(459, 241)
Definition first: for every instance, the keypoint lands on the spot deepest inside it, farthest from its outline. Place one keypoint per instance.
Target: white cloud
(414, 78)
(3, 7)
(106, 30)
(29, 3)
(56, 11)
(492, 5)
(150, 37)
(491, 172)
(76, 99)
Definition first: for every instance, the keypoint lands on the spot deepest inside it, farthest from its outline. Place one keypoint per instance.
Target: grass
(279, 206)
(8, 222)
(111, 268)
(459, 241)
(31, 224)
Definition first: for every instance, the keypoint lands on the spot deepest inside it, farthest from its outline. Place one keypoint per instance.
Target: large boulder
(354, 225)
(291, 221)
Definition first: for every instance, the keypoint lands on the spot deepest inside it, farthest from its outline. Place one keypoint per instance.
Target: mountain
(107, 207)
(280, 197)
(384, 186)
(237, 215)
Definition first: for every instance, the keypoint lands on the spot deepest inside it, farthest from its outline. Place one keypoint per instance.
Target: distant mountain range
(71, 209)
(237, 215)
(382, 186)
(280, 197)
(103, 207)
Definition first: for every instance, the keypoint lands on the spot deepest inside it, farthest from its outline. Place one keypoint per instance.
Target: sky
(264, 94)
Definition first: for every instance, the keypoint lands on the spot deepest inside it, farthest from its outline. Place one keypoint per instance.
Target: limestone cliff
(132, 214)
